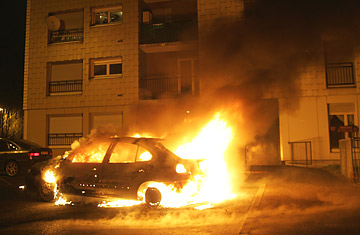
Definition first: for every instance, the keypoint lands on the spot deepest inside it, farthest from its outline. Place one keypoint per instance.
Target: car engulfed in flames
(126, 171)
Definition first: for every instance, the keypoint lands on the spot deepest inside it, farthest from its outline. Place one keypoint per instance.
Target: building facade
(87, 62)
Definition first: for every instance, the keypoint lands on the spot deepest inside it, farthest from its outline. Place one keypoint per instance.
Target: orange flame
(211, 186)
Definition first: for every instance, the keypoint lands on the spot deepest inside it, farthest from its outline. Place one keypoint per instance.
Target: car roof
(23, 143)
(136, 139)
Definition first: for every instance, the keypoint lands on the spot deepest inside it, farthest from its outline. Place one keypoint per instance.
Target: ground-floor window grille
(63, 138)
(65, 86)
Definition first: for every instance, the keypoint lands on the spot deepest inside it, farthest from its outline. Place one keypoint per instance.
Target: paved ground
(304, 201)
(275, 200)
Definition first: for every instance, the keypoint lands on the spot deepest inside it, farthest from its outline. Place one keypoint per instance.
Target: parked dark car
(17, 156)
(114, 167)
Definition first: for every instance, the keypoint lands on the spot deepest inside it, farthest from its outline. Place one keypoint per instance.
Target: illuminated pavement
(279, 200)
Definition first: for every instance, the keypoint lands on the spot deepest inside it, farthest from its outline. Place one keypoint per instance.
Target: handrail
(65, 86)
(63, 138)
(340, 74)
(169, 31)
(66, 35)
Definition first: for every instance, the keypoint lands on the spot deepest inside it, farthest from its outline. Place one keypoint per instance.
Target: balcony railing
(67, 35)
(169, 32)
(340, 74)
(65, 86)
(158, 88)
(63, 138)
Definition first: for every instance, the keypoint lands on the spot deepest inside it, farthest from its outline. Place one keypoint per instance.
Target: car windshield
(27, 144)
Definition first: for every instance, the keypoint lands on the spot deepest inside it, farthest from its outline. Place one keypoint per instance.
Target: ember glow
(119, 203)
(211, 186)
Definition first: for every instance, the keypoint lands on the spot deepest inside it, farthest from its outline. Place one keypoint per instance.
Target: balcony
(158, 88)
(67, 35)
(56, 87)
(63, 139)
(340, 75)
(169, 32)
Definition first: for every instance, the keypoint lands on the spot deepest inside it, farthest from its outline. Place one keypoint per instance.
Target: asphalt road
(273, 200)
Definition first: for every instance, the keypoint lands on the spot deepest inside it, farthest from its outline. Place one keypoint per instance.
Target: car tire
(152, 196)
(12, 168)
(45, 191)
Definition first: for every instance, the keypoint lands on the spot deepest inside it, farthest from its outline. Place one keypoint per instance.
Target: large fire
(213, 185)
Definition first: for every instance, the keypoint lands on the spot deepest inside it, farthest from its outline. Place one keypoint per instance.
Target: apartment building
(87, 62)
(328, 108)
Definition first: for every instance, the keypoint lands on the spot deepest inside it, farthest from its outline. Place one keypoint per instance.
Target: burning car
(117, 167)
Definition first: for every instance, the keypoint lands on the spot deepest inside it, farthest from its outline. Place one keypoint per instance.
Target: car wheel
(46, 191)
(152, 196)
(12, 168)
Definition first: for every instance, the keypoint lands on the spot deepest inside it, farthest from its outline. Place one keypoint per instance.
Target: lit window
(106, 15)
(340, 114)
(101, 68)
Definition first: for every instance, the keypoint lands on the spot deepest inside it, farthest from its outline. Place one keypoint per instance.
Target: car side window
(124, 153)
(3, 146)
(13, 147)
(92, 153)
(143, 155)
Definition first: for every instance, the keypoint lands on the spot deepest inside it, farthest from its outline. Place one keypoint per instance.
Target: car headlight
(180, 168)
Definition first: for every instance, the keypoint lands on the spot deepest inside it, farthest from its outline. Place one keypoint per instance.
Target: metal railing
(66, 35)
(65, 86)
(169, 32)
(158, 88)
(355, 154)
(63, 138)
(301, 153)
(340, 74)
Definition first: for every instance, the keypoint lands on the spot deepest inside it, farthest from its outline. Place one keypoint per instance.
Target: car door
(13, 157)
(126, 168)
(81, 171)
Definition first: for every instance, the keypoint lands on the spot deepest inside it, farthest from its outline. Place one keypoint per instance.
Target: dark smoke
(258, 55)
(265, 51)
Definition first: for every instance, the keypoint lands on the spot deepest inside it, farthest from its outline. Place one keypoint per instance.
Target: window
(113, 121)
(101, 68)
(129, 153)
(64, 130)
(339, 57)
(106, 15)
(91, 153)
(13, 146)
(65, 77)
(65, 26)
(143, 155)
(340, 114)
(188, 74)
(123, 153)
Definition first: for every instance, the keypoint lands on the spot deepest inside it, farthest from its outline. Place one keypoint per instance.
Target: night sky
(12, 44)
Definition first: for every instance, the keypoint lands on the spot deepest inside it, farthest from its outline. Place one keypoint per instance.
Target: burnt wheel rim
(152, 196)
(12, 168)
(46, 189)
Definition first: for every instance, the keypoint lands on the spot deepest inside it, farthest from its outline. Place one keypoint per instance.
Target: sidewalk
(303, 201)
